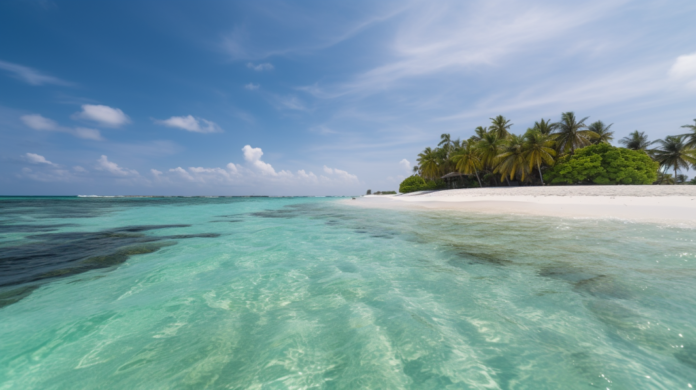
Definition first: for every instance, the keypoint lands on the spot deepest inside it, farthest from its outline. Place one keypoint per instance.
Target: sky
(314, 97)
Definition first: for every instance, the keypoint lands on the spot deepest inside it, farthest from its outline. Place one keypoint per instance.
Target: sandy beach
(659, 204)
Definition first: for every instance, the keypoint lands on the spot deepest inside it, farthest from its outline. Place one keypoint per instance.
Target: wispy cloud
(31, 76)
(38, 159)
(251, 86)
(260, 67)
(189, 123)
(38, 122)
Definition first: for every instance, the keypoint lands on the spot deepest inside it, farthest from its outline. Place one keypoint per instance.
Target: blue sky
(313, 97)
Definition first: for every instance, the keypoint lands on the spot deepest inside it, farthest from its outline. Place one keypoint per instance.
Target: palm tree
(544, 126)
(571, 134)
(489, 147)
(467, 160)
(539, 149)
(602, 131)
(512, 159)
(691, 137)
(636, 141)
(479, 131)
(500, 126)
(427, 161)
(446, 143)
(673, 153)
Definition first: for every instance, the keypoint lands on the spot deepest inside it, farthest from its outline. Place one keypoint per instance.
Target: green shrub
(604, 164)
(417, 183)
(412, 184)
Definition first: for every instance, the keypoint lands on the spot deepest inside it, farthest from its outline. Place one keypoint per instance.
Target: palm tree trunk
(675, 174)
(477, 178)
(507, 181)
(540, 176)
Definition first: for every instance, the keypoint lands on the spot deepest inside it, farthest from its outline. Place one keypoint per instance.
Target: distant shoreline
(655, 204)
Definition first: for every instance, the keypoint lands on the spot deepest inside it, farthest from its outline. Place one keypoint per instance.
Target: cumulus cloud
(38, 122)
(252, 86)
(103, 164)
(253, 156)
(684, 69)
(38, 159)
(255, 172)
(103, 115)
(189, 123)
(31, 76)
(78, 168)
(406, 164)
(260, 67)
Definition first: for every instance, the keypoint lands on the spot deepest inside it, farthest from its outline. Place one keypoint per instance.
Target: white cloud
(84, 133)
(31, 76)
(38, 159)
(155, 172)
(406, 164)
(78, 168)
(258, 173)
(684, 69)
(103, 164)
(342, 175)
(251, 86)
(103, 115)
(182, 172)
(260, 67)
(38, 122)
(253, 156)
(189, 123)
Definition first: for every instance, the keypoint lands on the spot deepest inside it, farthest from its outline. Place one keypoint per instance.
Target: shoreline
(653, 204)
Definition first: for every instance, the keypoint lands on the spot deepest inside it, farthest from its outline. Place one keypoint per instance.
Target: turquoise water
(294, 293)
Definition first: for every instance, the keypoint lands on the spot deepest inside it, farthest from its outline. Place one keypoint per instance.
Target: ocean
(296, 293)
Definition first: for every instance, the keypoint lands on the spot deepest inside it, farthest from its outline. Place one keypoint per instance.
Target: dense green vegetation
(417, 183)
(569, 151)
(604, 164)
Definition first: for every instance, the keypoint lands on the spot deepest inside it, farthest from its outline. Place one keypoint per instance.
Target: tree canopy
(604, 164)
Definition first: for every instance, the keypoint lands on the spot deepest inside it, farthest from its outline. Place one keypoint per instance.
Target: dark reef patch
(23, 228)
(44, 257)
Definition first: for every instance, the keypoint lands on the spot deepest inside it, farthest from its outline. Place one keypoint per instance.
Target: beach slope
(660, 204)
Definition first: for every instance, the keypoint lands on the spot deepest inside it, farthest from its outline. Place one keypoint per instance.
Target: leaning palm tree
(604, 135)
(544, 126)
(500, 126)
(673, 153)
(512, 159)
(571, 134)
(467, 160)
(428, 163)
(539, 149)
(691, 137)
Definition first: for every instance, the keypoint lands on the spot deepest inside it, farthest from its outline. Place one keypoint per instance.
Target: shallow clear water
(275, 293)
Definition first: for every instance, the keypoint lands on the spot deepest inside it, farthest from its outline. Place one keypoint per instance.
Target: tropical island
(553, 153)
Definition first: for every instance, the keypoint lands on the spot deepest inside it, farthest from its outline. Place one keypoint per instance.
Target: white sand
(660, 204)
